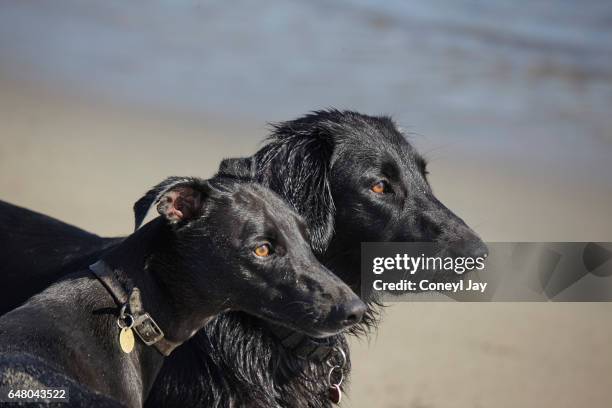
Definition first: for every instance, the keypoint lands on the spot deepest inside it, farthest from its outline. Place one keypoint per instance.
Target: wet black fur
(321, 164)
(188, 270)
(298, 163)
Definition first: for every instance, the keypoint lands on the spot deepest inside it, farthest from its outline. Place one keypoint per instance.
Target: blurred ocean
(510, 100)
(528, 82)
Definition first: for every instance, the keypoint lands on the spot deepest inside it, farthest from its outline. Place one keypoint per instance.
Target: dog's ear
(296, 164)
(177, 199)
(237, 167)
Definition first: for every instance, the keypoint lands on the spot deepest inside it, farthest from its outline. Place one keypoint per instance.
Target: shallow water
(531, 84)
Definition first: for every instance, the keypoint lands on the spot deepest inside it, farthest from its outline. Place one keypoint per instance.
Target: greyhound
(218, 245)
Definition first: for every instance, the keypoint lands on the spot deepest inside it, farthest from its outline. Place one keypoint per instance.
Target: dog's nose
(472, 247)
(352, 312)
(476, 249)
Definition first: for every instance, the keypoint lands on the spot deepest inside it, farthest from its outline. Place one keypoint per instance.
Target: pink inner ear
(174, 214)
(179, 204)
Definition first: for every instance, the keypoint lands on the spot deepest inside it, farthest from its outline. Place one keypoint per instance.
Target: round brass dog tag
(126, 340)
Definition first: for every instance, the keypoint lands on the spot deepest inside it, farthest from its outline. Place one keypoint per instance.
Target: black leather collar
(143, 324)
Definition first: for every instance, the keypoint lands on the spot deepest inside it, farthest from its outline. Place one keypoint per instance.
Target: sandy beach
(86, 163)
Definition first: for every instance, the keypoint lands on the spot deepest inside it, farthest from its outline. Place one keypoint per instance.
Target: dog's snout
(477, 249)
(352, 312)
(473, 248)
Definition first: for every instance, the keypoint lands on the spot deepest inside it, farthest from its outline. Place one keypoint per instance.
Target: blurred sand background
(100, 101)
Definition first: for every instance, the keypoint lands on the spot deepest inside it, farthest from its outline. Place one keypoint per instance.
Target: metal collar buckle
(147, 329)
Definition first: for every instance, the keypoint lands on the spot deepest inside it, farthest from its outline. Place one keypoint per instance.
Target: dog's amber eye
(263, 250)
(379, 187)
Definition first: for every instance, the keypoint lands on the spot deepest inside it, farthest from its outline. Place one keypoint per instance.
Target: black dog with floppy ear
(218, 246)
(346, 153)
(213, 220)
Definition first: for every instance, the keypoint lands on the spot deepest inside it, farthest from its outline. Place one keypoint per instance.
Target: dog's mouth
(309, 326)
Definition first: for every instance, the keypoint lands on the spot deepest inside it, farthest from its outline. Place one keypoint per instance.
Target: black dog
(354, 178)
(220, 245)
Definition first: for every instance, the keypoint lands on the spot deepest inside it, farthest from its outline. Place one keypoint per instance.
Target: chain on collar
(337, 364)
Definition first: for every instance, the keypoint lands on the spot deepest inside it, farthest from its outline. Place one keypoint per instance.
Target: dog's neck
(134, 265)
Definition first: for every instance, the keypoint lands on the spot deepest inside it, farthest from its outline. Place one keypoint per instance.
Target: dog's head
(237, 246)
(355, 178)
